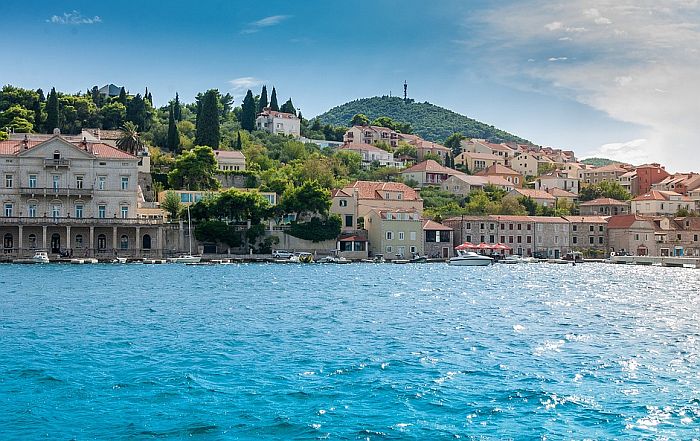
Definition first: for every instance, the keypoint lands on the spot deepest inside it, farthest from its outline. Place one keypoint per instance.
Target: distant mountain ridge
(599, 162)
(431, 122)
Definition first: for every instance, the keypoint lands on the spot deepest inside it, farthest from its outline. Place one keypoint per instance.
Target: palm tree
(130, 139)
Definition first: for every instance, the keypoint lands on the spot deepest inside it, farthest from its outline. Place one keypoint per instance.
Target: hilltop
(431, 122)
(599, 162)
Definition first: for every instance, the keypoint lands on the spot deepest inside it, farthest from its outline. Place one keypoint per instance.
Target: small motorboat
(470, 258)
(41, 257)
(186, 258)
(77, 261)
(119, 260)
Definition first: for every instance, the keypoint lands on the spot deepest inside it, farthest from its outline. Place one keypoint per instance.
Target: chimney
(56, 131)
(25, 142)
(84, 143)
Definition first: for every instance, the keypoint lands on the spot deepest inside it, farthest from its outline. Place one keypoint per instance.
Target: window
(8, 181)
(389, 235)
(125, 212)
(401, 235)
(600, 240)
(412, 249)
(695, 238)
(388, 249)
(32, 241)
(520, 226)
(32, 210)
(8, 210)
(503, 239)
(600, 228)
(79, 211)
(147, 242)
(574, 240)
(590, 228)
(469, 238)
(348, 220)
(510, 227)
(101, 211)
(78, 240)
(125, 182)
(529, 227)
(32, 181)
(573, 228)
(56, 182)
(55, 211)
(492, 239)
(124, 242)
(529, 239)
(520, 239)
(469, 225)
(101, 242)
(636, 237)
(56, 155)
(101, 181)
(343, 203)
(481, 226)
(79, 182)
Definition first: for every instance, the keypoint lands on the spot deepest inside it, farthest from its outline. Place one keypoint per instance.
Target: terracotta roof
(497, 169)
(339, 192)
(610, 168)
(275, 114)
(559, 193)
(587, 219)
(624, 220)
(229, 154)
(98, 149)
(658, 195)
(375, 190)
(535, 194)
(432, 225)
(489, 156)
(431, 166)
(602, 201)
(353, 239)
(360, 146)
(499, 147)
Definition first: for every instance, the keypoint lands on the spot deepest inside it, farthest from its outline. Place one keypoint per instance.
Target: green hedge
(317, 230)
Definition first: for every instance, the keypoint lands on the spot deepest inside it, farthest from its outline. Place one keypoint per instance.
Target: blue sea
(345, 352)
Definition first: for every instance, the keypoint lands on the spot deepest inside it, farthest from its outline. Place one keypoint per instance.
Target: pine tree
(173, 142)
(263, 99)
(52, 121)
(96, 97)
(136, 112)
(145, 94)
(37, 115)
(248, 111)
(288, 107)
(122, 96)
(40, 92)
(177, 112)
(208, 130)
(273, 101)
(299, 115)
(150, 99)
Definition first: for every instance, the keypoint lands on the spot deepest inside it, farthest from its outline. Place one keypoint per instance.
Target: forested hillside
(431, 122)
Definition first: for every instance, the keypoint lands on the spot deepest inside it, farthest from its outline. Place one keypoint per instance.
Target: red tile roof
(229, 154)
(431, 166)
(362, 147)
(275, 114)
(375, 190)
(624, 220)
(587, 219)
(535, 194)
(98, 149)
(602, 201)
(432, 225)
(497, 169)
(559, 193)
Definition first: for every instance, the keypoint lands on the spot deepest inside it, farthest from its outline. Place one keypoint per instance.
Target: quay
(680, 262)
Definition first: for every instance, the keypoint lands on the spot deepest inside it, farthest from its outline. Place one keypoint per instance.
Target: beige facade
(558, 180)
(370, 154)
(396, 234)
(462, 184)
(429, 173)
(660, 203)
(437, 240)
(604, 207)
(475, 162)
(589, 233)
(230, 160)
(528, 164)
(72, 197)
(371, 135)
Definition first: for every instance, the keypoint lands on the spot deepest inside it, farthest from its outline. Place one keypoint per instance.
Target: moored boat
(469, 258)
(41, 257)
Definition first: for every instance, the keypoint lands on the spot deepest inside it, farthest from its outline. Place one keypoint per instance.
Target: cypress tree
(122, 96)
(136, 112)
(248, 112)
(263, 99)
(150, 99)
(52, 111)
(42, 98)
(299, 115)
(273, 101)
(173, 142)
(288, 107)
(208, 130)
(37, 115)
(177, 112)
(96, 97)
(239, 143)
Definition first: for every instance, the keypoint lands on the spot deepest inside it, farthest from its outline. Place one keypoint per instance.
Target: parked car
(281, 254)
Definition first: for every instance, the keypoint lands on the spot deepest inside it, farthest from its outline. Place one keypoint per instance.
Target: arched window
(78, 240)
(101, 242)
(7, 241)
(146, 242)
(124, 242)
(55, 243)
(32, 241)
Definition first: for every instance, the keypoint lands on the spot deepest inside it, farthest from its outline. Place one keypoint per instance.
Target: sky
(610, 78)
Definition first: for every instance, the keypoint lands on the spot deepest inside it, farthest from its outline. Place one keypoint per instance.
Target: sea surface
(345, 352)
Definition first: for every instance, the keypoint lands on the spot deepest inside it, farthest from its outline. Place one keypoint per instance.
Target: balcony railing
(72, 221)
(60, 191)
(56, 162)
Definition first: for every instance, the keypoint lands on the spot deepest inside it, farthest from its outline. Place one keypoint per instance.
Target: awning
(465, 246)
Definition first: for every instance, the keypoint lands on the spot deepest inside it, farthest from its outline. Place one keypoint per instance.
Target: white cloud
(633, 152)
(557, 59)
(272, 20)
(74, 18)
(239, 86)
(641, 47)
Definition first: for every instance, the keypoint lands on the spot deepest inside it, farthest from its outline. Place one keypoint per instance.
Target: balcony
(72, 221)
(60, 191)
(56, 163)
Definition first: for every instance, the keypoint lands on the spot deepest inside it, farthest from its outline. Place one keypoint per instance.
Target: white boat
(334, 259)
(154, 261)
(469, 258)
(119, 260)
(40, 257)
(90, 260)
(517, 259)
(187, 258)
(77, 261)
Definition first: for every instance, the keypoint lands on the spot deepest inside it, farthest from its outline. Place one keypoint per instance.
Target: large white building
(278, 123)
(66, 195)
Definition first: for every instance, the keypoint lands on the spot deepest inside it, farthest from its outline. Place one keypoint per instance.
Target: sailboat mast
(189, 228)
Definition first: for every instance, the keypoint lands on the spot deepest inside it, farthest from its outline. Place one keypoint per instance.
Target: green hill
(431, 122)
(599, 162)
